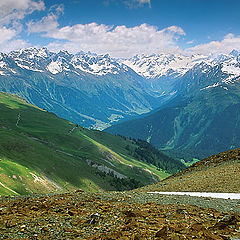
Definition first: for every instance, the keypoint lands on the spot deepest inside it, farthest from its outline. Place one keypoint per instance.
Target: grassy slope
(42, 154)
(218, 173)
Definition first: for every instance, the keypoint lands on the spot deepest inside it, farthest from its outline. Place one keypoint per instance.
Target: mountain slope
(218, 173)
(202, 118)
(91, 90)
(98, 91)
(41, 153)
(203, 125)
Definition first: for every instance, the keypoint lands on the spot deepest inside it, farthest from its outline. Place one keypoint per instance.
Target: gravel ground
(224, 205)
(118, 215)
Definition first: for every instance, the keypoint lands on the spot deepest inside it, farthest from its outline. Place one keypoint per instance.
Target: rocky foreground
(117, 215)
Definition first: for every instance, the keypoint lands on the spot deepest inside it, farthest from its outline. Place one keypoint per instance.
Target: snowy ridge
(55, 67)
(156, 66)
(41, 60)
(230, 64)
(176, 65)
(230, 67)
(97, 64)
(30, 58)
(152, 66)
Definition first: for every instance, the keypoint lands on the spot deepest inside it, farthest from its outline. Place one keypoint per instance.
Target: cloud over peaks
(229, 42)
(119, 41)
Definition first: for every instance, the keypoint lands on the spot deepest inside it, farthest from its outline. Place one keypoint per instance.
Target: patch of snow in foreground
(202, 194)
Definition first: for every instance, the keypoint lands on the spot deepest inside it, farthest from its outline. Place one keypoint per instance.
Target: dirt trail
(9, 189)
(18, 119)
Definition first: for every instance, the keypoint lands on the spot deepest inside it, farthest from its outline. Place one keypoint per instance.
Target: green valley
(193, 125)
(42, 153)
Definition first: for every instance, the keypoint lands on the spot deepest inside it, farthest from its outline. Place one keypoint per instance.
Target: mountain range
(203, 116)
(91, 90)
(176, 102)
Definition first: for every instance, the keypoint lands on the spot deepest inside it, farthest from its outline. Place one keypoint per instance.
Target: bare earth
(116, 215)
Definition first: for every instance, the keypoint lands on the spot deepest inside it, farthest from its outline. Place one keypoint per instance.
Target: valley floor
(118, 215)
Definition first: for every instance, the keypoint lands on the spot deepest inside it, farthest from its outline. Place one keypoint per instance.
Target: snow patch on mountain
(211, 86)
(97, 65)
(55, 67)
(28, 68)
(231, 69)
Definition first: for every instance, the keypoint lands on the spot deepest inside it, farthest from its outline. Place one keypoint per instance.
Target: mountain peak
(234, 53)
(31, 53)
(64, 53)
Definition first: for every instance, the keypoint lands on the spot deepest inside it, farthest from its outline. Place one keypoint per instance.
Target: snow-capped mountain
(97, 90)
(217, 72)
(231, 66)
(41, 60)
(92, 90)
(156, 66)
(153, 66)
(159, 65)
(170, 73)
(31, 58)
(97, 64)
(202, 119)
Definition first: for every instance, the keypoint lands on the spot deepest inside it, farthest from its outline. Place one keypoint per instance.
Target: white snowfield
(202, 194)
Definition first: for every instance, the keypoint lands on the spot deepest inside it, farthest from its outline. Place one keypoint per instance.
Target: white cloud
(141, 2)
(13, 10)
(175, 29)
(190, 42)
(229, 42)
(144, 1)
(129, 3)
(13, 45)
(12, 13)
(47, 23)
(6, 34)
(137, 3)
(119, 41)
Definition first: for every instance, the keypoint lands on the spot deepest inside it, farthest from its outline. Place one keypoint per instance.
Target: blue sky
(122, 28)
